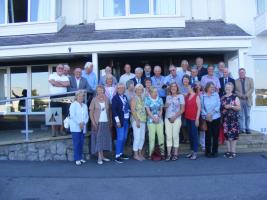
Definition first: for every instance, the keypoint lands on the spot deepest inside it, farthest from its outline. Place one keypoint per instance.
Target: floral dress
(230, 118)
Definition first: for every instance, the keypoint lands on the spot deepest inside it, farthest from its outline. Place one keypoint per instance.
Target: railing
(27, 110)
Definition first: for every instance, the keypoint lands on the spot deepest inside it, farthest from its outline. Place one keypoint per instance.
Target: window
(139, 6)
(261, 6)
(28, 10)
(2, 11)
(113, 8)
(260, 82)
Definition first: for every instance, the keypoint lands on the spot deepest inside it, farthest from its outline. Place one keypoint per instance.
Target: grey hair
(157, 67)
(229, 84)
(87, 65)
(139, 86)
(79, 93)
(120, 84)
(109, 76)
(184, 62)
(172, 66)
(138, 69)
(66, 66)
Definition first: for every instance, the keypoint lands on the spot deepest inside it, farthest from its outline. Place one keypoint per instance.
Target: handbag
(67, 122)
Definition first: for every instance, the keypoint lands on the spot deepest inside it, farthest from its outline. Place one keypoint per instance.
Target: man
(58, 84)
(89, 75)
(244, 90)
(138, 79)
(147, 71)
(172, 77)
(194, 77)
(202, 71)
(102, 80)
(66, 70)
(127, 76)
(225, 79)
(158, 82)
(77, 82)
(180, 74)
(220, 73)
(210, 78)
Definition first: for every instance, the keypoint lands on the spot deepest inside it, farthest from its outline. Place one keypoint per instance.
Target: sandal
(227, 154)
(168, 158)
(174, 158)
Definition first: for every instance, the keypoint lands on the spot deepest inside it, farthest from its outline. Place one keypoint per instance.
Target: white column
(241, 59)
(95, 63)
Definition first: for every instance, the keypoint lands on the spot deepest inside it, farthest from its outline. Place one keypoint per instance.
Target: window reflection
(260, 82)
(2, 11)
(39, 87)
(139, 6)
(114, 8)
(18, 86)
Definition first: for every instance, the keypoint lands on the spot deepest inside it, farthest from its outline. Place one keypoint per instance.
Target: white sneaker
(83, 161)
(78, 162)
(100, 162)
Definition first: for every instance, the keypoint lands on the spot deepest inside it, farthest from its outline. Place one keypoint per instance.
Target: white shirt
(103, 114)
(126, 77)
(78, 82)
(57, 90)
(78, 114)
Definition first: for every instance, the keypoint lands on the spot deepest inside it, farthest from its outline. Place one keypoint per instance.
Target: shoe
(168, 158)
(124, 157)
(106, 159)
(189, 155)
(227, 154)
(242, 132)
(248, 132)
(82, 161)
(232, 155)
(78, 162)
(193, 157)
(119, 160)
(100, 162)
(174, 158)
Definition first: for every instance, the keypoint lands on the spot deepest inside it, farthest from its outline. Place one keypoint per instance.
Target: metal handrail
(26, 113)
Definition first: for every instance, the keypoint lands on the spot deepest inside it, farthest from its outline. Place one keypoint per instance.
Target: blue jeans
(78, 140)
(193, 134)
(121, 137)
(244, 116)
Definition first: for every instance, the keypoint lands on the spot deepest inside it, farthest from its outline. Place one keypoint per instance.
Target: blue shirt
(170, 79)
(91, 79)
(155, 106)
(210, 104)
(158, 82)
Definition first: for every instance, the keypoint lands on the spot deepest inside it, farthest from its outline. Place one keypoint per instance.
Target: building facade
(35, 35)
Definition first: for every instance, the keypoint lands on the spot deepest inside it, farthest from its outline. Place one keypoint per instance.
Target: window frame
(129, 15)
(53, 14)
(262, 10)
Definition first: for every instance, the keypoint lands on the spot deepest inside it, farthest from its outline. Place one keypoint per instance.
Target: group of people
(195, 101)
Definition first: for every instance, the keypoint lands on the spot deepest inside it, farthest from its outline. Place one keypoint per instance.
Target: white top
(103, 114)
(78, 114)
(57, 90)
(126, 77)
(78, 82)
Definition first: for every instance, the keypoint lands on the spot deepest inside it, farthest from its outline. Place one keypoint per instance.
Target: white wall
(72, 11)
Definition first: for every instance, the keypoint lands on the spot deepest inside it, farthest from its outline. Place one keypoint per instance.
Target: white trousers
(139, 135)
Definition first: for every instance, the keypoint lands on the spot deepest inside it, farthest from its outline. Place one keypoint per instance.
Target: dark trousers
(212, 135)
(193, 134)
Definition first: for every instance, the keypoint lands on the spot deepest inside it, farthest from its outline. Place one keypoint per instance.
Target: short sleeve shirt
(154, 105)
(57, 90)
(174, 105)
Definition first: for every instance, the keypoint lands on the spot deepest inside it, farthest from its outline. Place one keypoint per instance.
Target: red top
(191, 107)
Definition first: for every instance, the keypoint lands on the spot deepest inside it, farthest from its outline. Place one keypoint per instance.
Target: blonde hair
(79, 93)
(138, 86)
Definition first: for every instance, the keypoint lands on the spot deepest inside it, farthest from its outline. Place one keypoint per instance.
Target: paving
(244, 178)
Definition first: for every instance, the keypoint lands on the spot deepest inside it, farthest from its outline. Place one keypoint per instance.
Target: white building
(37, 34)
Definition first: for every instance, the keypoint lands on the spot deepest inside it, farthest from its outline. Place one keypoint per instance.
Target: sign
(53, 116)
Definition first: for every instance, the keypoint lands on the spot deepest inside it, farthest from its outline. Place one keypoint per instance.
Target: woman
(174, 109)
(184, 90)
(210, 111)
(78, 120)
(192, 113)
(110, 89)
(154, 108)
(230, 119)
(120, 115)
(148, 84)
(199, 92)
(130, 90)
(138, 121)
(101, 125)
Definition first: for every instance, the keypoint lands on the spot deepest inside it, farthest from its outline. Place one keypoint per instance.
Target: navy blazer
(83, 85)
(142, 81)
(117, 109)
(222, 92)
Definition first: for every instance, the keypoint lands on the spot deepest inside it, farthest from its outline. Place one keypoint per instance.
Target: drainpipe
(84, 9)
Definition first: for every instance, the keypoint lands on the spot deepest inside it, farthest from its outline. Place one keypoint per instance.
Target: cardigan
(78, 114)
(95, 109)
(117, 109)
